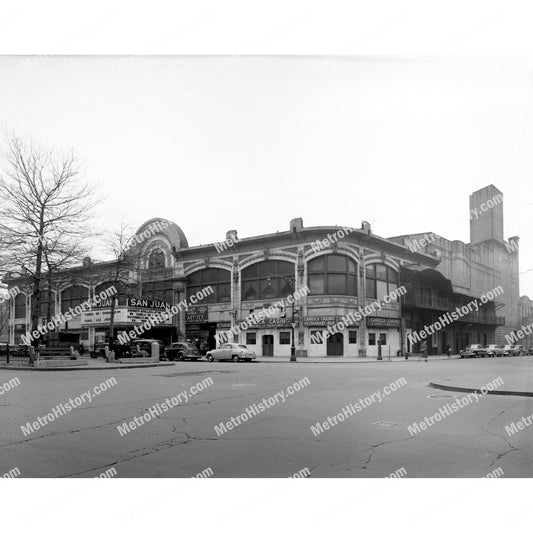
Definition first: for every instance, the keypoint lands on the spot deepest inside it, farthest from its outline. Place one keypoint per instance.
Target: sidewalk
(326, 359)
(93, 364)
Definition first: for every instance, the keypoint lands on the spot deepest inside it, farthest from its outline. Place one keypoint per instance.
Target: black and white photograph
(260, 265)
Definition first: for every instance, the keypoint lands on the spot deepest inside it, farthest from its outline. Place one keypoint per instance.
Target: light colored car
(493, 350)
(513, 349)
(230, 352)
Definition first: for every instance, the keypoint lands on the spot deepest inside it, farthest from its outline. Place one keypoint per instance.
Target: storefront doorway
(336, 345)
(268, 345)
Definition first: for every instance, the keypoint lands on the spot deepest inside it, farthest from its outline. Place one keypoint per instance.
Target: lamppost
(291, 281)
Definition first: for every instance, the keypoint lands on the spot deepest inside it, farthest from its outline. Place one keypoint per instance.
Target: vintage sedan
(473, 350)
(230, 351)
(493, 350)
(181, 351)
(513, 349)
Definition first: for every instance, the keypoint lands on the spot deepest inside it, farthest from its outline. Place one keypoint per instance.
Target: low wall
(136, 360)
(44, 363)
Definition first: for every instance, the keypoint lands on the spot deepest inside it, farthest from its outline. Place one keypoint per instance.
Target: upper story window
(157, 290)
(119, 287)
(263, 280)
(20, 306)
(46, 298)
(217, 278)
(380, 280)
(332, 274)
(73, 296)
(156, 259)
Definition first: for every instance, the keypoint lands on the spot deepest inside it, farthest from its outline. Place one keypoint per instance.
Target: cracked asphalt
(278, 442)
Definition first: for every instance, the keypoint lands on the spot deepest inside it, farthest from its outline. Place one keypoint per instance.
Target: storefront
(135, 312)
(384, 332)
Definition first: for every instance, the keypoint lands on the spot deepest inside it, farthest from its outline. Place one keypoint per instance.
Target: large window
(73, 296)
(217, 278)
(20, 306)
(380, 281)
(157, 290)
(156, 259)
(332, 274)
(47, 296)
(262, 281)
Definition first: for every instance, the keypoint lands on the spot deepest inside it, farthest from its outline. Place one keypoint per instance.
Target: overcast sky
(248, 143)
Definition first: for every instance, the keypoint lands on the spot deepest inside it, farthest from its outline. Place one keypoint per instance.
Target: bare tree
(45, 213)
(126, 254)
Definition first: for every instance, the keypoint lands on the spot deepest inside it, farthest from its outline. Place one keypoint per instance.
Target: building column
(361, 297)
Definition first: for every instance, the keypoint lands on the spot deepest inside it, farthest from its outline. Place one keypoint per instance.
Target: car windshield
(191, 346)
(243, 346)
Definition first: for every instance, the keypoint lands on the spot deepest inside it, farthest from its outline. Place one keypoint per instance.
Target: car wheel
(235, 358)
(181, 356)
(210, 358)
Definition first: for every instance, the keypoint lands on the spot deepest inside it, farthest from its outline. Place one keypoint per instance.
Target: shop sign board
(196, 314)
(271, 323)
(382, 322)
(323, 321)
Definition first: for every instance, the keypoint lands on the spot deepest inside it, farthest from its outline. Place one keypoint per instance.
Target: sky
(248, 143)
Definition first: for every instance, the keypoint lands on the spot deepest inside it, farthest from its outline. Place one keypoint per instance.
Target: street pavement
(277, 440)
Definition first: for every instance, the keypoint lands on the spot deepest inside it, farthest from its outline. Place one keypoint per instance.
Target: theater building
(344, 269)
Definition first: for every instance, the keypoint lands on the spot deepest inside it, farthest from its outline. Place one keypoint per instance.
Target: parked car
(98, 351)
(530, 351)
(145, 345)
(513, 349)
(181, 351)
(493, 350)
(473, 350)
(230, 351)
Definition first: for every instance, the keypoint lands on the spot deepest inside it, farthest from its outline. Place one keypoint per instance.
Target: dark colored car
(182, 350)
(473, 350)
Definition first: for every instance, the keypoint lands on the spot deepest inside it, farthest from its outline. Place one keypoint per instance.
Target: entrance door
(336, 344)
(268, 345)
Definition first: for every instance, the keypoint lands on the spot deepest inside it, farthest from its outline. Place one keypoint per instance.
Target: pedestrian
(448, 350)
(424, 351)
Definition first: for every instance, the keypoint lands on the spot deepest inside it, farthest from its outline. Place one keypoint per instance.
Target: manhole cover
(441, 396)
(384, 424)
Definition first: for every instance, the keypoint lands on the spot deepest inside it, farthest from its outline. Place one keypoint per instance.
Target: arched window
(47, 296)
(20, 306)
(380, 280)
(332, 274)
(73, 296)
(262, 281)
(217, 278)
(156, 259)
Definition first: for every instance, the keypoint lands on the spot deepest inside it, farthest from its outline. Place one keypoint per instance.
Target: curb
(71, 368)
(472, 389)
